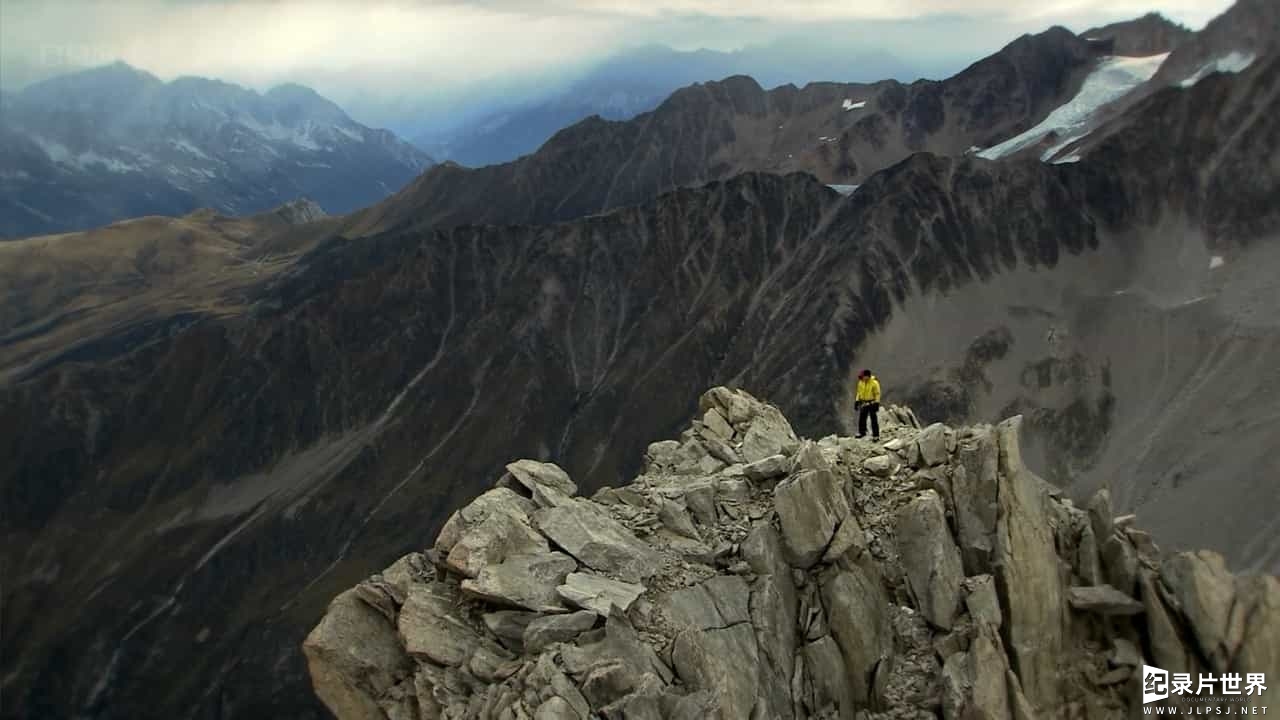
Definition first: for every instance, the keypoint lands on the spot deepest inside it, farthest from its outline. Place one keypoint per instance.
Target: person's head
(864, 374)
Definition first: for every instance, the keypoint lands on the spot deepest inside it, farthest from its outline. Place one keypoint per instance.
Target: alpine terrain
(114, 142)
(213, 426)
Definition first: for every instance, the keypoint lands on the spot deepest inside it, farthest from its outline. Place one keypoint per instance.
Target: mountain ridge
(349, 379)
(92, 147)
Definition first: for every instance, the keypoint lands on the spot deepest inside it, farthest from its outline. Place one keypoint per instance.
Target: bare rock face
(930, 558)
(810, 587)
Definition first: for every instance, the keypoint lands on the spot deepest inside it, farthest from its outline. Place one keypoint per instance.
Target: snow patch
(1216, 262)
(1114, 78)
(186, 147)
(55, 151)
(851, 105)
(844, 189)
(1232, 62)
(60, 154)
(352, 134)
(1072, 158)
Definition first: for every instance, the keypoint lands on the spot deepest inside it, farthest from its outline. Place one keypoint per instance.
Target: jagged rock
(1257, 610)
(982, 601)
(930, 558)
(931, 445)
(597, 593)
(527, 581)
(1143, 543)
(431, 626)
(767, 469)
(1168, 649)
(497, 500)
(768, 434)
(857, 613)
(849, 538)
(1088, 562)
(1206, 592)
(380, 596)
(881, 465)
(716, 423)
(825, 679)
(700, 498)
(848, 611)
(810, 506)
(717, 603)
(619, 642)
(1124, 652)
(597, 540)
(1120, 563)
(608, 682)
(354, 656)
(661, 454)
(508, 626)
(772, 610)
(408, 570)
(675, 518)
(974, 492)
(1101, 514)
(547, 677)
(546, 483)
(1027, 573)
(974, 682)
(721, 451)
(557, 628)
(723, 661)
(488, 530)
(1103, 600)
(810, 457)
(556, 708)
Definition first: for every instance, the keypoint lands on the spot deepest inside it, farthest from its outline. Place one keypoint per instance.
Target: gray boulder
(1103, 600)
(1028, 574)
(598, 594)
(931, 445)
(550, 629)
(973, 491)
(525, 581)
(597, 540)
(810, 507)
(857, 612)
(1206, 592)
(354, 656)
(930, 558)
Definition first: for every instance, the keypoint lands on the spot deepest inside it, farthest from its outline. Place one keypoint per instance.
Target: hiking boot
(859, 437)
(875, 438)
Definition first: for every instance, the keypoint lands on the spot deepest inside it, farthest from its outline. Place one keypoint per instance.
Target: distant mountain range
(209, 426)
(114, 142)
(638, 80)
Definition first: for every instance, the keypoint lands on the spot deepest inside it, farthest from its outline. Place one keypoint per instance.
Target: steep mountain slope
(749, 573)
(101, 145)
(1230, 43)
(333, 416)
(639, 80)
(841, 133)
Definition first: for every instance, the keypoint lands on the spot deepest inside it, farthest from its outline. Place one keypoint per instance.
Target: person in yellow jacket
(867, 403)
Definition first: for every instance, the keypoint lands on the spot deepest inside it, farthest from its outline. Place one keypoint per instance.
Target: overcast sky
(408, 43)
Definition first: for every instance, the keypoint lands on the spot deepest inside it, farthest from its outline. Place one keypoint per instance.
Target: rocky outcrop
(793, 582)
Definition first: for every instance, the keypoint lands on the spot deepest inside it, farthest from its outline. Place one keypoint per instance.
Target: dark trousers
(869, 410)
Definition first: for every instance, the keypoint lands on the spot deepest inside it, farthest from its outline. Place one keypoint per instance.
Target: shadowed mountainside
(344, 405)
(840, 133)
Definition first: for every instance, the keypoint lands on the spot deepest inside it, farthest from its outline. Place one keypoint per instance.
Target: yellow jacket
(868, 390)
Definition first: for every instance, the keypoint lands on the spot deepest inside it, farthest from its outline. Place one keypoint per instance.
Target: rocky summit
(750, 573)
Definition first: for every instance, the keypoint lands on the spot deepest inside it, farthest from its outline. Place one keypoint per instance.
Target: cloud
(425, 46)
